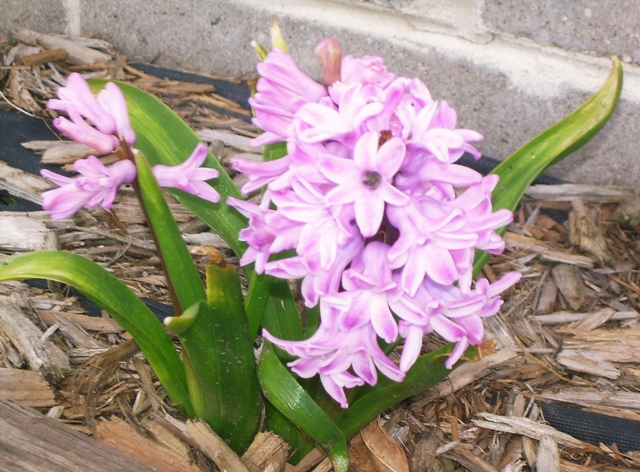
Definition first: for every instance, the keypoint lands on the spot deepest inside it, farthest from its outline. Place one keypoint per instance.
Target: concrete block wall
(510, 68)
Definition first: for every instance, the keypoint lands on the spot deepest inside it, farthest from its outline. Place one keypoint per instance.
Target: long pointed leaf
(520, 169)
(222, 369)
(282, 390)
(116, 299)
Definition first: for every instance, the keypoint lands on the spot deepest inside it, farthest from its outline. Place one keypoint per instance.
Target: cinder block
(48, 16)
(601, 28)
(510, 90)
(211, 36)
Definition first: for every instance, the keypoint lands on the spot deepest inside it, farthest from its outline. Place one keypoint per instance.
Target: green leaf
(312, 321)
(184, 322)
(256, 301)
(185, 278)
(368, 402)
(274, 151)
(285, 393)
(519, 170)
(220, 361)
(115, 298)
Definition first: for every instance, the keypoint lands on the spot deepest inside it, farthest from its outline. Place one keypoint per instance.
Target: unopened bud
(330, 54)
(261, 52)
(277, 40)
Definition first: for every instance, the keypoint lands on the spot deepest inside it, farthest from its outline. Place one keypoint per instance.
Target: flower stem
(124, 152)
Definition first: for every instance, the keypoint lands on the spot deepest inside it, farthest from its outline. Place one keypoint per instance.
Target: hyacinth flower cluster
(382, 221)
(102, 123)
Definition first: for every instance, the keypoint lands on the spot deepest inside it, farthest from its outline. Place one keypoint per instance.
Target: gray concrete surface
(43, 16)
(596, 27)
(507, 88)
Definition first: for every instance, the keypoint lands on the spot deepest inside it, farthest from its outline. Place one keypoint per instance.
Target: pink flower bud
(330, 54)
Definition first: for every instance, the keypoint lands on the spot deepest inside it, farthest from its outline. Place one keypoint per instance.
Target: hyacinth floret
(382, 221)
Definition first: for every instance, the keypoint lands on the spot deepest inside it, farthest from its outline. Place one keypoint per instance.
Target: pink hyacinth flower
(96, 184)
(107, 115)
(282, 89)
(77, 129)
(461, 319)
(383, 221)
(332, 352)
(189, 176)
(77, 94)
(367, 180)
(112, 101)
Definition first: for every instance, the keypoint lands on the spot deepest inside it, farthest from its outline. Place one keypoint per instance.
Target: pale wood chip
(146, 381)
(591, 322)
(19, 50)
(22, 184)
(241, 143)
(76, 334)
(41, 355)
(121, 436)
(463, 454)
(588, 193)
(530, 453)
(26, 387)
(22, 233)
(166, 437)
(587, 362)
(42, 145)
(528, 428)
(89, 323)
(31, 441)
(214, 447)
(77, 54)
(585, 234)
(547, 299)
(469, 373)
(567, 317)
(548, 455)
(515, 241)
(66, 152)
(615, 345)
(570, 284)
(268, 452)
(592, 397)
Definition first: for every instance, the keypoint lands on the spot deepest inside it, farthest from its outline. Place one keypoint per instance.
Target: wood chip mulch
(568, 333)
